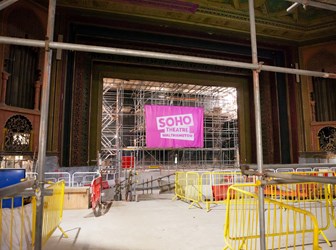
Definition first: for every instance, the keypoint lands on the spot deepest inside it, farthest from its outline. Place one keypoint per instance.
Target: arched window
(18, 134)
(327, 139)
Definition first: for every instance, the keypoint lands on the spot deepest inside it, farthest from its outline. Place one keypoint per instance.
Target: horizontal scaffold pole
(317, 4)
(294, 165)
(6, 3)
(158, 55)
(15, 188)
(288, 177)
(302, 178)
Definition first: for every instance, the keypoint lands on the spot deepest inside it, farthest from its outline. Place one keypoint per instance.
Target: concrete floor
(160, 224)
(146, 225)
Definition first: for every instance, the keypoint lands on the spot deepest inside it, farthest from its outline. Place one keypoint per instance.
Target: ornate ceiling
(303, 24)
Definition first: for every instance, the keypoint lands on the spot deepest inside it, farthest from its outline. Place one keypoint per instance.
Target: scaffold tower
(124, 133)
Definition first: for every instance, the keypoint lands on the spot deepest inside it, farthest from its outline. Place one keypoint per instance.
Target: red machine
(97, 187)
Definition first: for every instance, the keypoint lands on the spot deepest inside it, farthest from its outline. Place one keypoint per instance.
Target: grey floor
(147, 225)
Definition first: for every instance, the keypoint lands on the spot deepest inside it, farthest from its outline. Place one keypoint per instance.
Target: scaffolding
(123, 124)
(48, 45)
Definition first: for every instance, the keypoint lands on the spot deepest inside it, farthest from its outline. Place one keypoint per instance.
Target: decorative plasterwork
(272, 20)
(321, 141)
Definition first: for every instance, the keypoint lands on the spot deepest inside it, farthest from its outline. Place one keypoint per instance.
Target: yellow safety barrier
(180, 184)
(193, 188)
(16, 224)
(18, 217)
(333, 216)
(214, 186)
(310, 196)
(286, 226)
(187, 187)
(331, 188)
(53, 211)
(327, 173)
(206, 187)
(210, 188)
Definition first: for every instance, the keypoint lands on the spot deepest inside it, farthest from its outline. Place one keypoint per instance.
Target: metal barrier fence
(214, 185)
(77, 179)
(286, 226)
(53, 211)
(71, 180)
(53, 177)
(17, 223)
(292, 202)
(18, 215)
(311, 196)
(207, 187)
(58, 176)
(187, 187)
(180, 184)
(210, 188)
(82, 178)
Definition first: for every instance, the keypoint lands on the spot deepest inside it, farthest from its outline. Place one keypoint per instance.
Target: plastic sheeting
(16, 228)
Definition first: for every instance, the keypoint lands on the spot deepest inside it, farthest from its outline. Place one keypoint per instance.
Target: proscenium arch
(77, 86)
(112, 70)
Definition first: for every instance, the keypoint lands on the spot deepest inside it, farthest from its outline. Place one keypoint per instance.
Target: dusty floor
(147, 225)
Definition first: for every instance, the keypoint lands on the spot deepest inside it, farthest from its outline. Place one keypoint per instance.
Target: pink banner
(174, 126)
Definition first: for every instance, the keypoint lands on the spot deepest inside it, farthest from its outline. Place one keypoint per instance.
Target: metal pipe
(16, 188)
(287, 177)
(44, 124)
(158, 55)
(6, 3)
(297, 71)
(257, 112)
(294, 166)
(303, 178)
(118, 142)
(292, 7)
(278, 181)
(31, 192)
(22, 41)
(315, 4)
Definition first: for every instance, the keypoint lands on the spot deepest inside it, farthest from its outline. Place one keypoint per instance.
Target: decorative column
(313, 112)
(37, 95)
(5, 76)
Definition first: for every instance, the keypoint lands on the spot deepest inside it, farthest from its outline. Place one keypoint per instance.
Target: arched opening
(17, 134)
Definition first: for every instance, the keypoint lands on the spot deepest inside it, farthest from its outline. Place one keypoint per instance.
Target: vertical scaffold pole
(118, 136)
(256, 92)
(44, 125)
